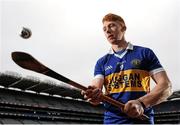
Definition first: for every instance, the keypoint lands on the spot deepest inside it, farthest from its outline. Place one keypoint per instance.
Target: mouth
(110, 36)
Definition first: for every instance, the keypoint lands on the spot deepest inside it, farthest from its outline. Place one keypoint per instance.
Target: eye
(112, 25)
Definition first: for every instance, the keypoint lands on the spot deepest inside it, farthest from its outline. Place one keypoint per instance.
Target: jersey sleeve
(99, 70)
(153, 64)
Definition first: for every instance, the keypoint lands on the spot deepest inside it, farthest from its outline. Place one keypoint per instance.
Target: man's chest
(116, 65)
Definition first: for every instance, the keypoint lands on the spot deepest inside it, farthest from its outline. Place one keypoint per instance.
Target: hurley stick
(27, 61)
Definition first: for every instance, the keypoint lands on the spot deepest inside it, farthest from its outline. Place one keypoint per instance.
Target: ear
(123, 28)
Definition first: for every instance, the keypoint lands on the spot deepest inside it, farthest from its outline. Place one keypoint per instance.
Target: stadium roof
(30, 83)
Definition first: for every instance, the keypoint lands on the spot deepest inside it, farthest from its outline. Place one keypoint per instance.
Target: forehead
(106, 23)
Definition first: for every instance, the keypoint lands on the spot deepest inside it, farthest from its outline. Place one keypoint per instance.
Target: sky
(67, 35)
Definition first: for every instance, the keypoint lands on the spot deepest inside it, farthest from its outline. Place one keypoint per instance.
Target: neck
(122, 44)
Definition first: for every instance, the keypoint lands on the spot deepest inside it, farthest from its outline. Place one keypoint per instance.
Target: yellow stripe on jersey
(128, 81)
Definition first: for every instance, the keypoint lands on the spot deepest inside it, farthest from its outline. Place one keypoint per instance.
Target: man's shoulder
(145, 51)
(104, 57)
(141, 48)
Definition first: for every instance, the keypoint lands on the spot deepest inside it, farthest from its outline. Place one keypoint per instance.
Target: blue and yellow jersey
(126, 77)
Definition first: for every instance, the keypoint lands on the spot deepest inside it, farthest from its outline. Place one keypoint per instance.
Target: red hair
(114, 17)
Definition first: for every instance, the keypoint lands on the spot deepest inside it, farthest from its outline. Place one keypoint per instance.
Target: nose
(108, 30)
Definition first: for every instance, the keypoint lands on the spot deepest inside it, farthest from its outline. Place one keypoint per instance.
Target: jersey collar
(129, 47)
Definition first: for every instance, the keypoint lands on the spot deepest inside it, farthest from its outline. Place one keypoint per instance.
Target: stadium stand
(25, 100)
(168, 112)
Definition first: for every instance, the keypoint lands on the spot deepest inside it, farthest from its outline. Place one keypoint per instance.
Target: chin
(113, 42)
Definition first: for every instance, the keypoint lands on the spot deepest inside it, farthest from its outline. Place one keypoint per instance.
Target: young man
(125, 72)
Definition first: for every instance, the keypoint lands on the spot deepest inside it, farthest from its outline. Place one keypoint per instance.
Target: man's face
(113, 31)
